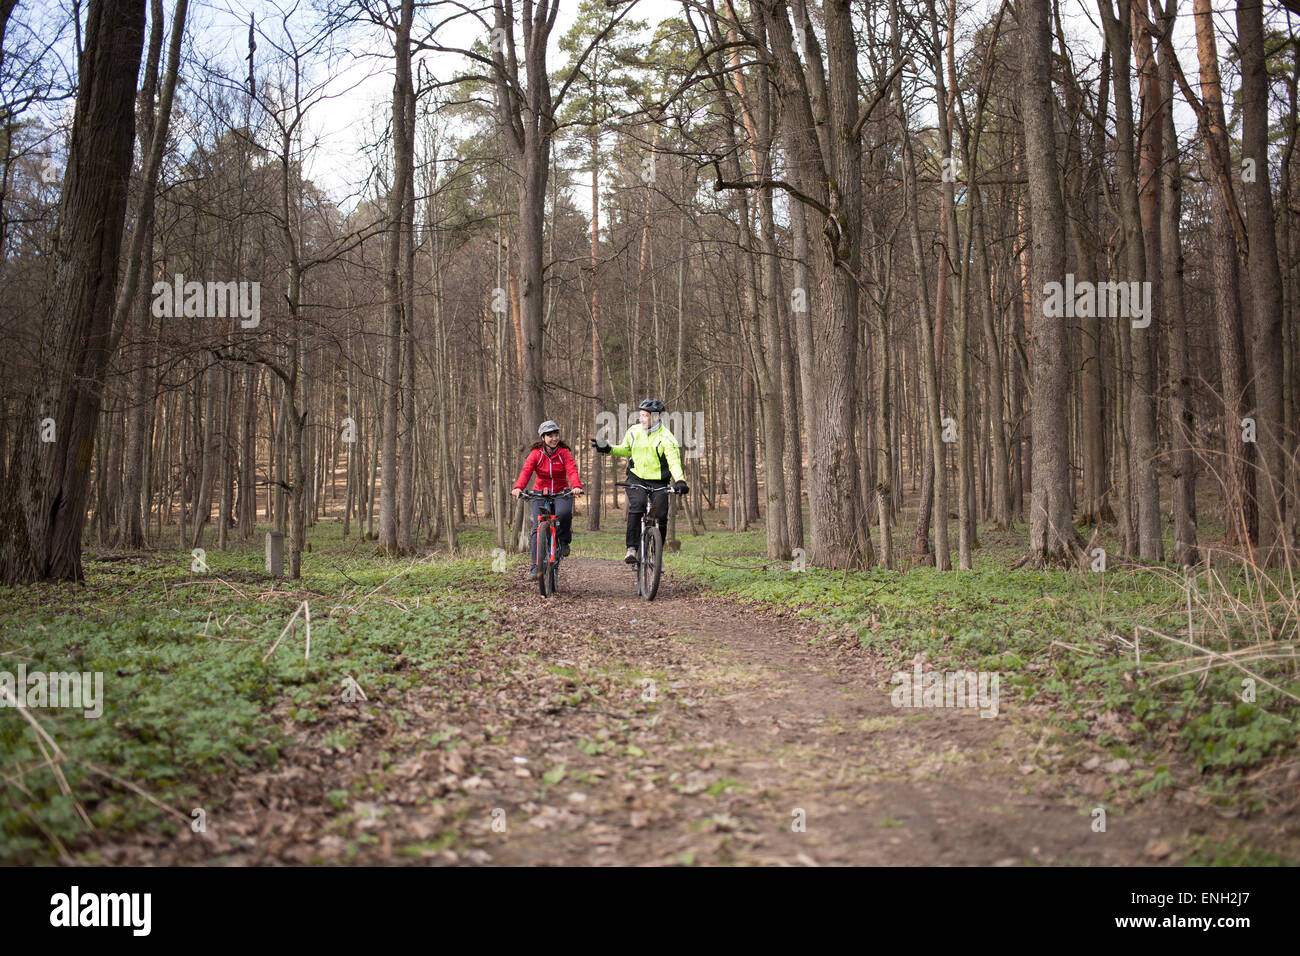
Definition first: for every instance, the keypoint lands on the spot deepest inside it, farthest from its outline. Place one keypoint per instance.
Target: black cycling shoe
(533, 573)
(564, 550)
(630, 557)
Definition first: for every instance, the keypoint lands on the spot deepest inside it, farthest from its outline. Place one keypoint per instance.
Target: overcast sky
(363, 84)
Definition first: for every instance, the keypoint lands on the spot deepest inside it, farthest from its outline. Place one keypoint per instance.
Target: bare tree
(44, 507)
(822, 127)
(1052, 538)
(1273, 435)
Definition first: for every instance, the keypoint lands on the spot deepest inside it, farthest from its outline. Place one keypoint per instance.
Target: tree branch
(720, 184)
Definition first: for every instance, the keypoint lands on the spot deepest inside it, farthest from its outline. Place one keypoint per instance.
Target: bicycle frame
(547, 553)
(648, 516)
(649, 562)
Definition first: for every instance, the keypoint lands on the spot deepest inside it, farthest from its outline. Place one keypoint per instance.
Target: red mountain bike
(548, 532)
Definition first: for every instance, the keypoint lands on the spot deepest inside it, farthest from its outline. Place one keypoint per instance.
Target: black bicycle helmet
(651, 405)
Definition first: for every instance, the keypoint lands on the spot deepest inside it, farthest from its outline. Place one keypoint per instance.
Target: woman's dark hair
(540, 444)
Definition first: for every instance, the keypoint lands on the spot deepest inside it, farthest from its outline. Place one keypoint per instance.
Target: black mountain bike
(548, 560)
(650, 555)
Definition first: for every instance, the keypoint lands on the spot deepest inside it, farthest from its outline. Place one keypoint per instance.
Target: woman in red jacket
(552, 461)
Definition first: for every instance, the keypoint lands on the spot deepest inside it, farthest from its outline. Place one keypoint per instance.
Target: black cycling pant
(636, 507)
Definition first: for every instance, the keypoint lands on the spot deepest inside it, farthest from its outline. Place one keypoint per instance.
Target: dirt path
(689, 730)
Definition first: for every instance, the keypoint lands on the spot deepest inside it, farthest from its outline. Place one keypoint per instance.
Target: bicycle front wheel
(653, 565)
(544, 581)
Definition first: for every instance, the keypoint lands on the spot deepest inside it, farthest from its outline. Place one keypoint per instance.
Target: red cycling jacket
(556, 471)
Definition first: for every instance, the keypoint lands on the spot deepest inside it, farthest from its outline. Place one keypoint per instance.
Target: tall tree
(1236, 464)
(1266, 286)
(1052, 538)
(933, 503)
(821, 114)
(394, 304)
(599, 83)
(1138, 186)
(1182, 433)
(526, 109)
(767, 294)
(44, 507)
(153, 127)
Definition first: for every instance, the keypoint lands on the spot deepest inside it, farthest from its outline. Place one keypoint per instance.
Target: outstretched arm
(625, 449)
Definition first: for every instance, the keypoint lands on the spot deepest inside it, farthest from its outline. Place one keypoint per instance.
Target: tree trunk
(884, 448)
(1236, 469)
(594, 502)
(1001, 468)
(525, 113)
(801, 325)
(44, 507)
(827, 164)
(1052, 538)
(406, 480)
(402, 168)
(1182, 421)
(1139, 219)
(934, 507)
(1266, 288)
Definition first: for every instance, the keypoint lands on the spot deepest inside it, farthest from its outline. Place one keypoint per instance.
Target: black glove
(681, 488)
(600, 446)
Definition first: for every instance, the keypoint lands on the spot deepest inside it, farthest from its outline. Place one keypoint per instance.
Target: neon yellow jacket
(655, 454)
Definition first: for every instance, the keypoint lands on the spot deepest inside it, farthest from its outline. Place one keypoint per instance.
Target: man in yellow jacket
(655, 458)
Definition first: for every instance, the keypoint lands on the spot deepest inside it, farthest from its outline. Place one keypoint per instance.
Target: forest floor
(710, 726)
(688, 730)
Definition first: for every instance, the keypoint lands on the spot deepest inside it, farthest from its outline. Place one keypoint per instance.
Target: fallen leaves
(1159, 849)
(476, 737)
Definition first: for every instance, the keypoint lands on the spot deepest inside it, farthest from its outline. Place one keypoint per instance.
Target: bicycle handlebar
(546, 494)
(668, 488)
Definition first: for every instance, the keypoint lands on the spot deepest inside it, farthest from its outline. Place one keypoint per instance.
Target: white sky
(362, 85)
(1080, 19)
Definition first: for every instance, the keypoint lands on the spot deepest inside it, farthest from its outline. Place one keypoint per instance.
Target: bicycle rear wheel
(653, 565)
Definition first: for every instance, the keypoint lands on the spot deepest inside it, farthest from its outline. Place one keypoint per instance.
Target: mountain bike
(650, 554)
(548, 560)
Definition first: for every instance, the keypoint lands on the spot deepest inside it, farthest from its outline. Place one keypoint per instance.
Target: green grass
(179, 705)
(187, 696)
(1207, 852)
